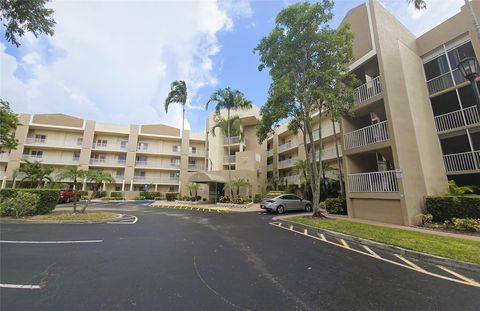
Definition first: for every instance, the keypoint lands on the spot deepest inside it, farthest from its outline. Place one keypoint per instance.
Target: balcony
(109, 146)
(107, 162)
(366, 136)
(330, 153)
(287, 146)
(158, 150)
(51, 160)
(269, 152)
(156, 180)
(269, 167)
(385, 181)
(286, 163)
(368, 90)
(291, 180)
(462, 162)
(4, 157)
(229, 159)
(445, 81)
(326, 132)
(53, 143)
(196, 167)
(457, 119)
(2, 174)
(196, 153)
(234, 140)
(157, 164)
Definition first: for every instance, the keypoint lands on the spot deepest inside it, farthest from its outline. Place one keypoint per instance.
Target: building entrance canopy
(202, 177)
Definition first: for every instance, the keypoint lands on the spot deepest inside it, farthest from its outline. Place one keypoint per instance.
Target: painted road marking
(461, 279)
(344, 243)
(370, 251)
(50, 242)
(124, 220)
(20, 286)
(409, 262)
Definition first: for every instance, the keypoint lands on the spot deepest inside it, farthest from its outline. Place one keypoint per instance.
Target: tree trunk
(94, 193)
(315, 169)
(75, 196)
(340, 173)
(229, 165)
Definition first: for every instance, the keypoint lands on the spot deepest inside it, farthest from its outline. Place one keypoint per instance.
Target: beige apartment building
(414, 126)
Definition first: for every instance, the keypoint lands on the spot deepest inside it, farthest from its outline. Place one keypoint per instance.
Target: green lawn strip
(454, 248)
(68, 216)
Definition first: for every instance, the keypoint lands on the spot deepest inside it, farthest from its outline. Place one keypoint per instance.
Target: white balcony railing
(385, 181)
(445, 81)
(156, 180)
(107, 162)
(229, 159)
(458, 118)
(287, 163)
(109, 146)
(291, 180)
(53, 142)
(326, 132)
(269, 167)
(196, 153)
(269, 152)
(51, 159)
(234, 140)
(368, 90)
(196, 167)
(366, 136)
(4, 157)
(157, 164)
(289, 145)
(465, 161)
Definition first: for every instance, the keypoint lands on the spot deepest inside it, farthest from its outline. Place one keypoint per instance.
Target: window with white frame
(36, 154)
(175, 148)
(141, 145)
(40, 138)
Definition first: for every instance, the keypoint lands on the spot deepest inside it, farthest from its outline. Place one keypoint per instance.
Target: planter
(232, 205)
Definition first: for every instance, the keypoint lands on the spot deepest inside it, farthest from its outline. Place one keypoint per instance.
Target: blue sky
(98, 66)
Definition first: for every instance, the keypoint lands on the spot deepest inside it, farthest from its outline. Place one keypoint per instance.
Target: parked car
(67, 196)
(286, 202)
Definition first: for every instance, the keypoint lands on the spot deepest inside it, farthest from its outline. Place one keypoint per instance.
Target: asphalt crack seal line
(409, 265)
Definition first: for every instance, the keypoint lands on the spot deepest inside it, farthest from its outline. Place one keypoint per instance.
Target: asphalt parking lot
(191, 260)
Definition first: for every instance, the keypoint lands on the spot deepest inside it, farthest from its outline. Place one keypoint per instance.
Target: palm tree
(72, 172)
(229, 99)
(240, 183)
(193, 188)
(98, 178)
(339, 162)
(418, 4)
(177, 94)
(235, 129)
(35, 172)
(301, 168)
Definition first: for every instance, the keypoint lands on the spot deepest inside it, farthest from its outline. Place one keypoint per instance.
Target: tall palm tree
(235, 129)
(193, 188)
(418, 4)
(177, 94)
(240, 183)
(97, 178)
(229, 99)
(72, 172)
(35, 172)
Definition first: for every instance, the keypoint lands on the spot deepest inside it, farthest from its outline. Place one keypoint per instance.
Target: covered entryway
(215, 184)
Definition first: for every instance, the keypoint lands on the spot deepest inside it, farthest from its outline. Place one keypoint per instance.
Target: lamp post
(470, 70)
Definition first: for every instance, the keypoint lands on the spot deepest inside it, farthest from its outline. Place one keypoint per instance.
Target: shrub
(275, 193)
(22, 204)
(106, 199)
(117, 194)
(336, 206)
(224, 199)
(150, 195)
(239, 201)
(257, 198)
(100, 194)
(84, 197)
(472, 225)
(47, 198)
(159, 198)
(171, 196)
(322, 204)
(448, 207)
(82, 193)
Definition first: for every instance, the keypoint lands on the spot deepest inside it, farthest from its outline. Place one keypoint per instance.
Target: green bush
(257, 198)
(336, 206)
(100, 194)
(275, 193)
(117, 195)
(322, 204)
(159, 198)
(171, 196)
(22, 204)
(467, 224)
(239, 201)
(448, 207)
(82, 193)
(222, 199)
(150, 195)
(47, 198)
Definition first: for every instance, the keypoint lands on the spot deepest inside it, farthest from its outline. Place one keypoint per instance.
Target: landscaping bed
(449, 247)
(66, 216)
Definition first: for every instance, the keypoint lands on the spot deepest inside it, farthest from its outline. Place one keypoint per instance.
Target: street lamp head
(469, 67)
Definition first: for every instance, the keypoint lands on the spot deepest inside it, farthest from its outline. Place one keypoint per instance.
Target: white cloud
(114, 61)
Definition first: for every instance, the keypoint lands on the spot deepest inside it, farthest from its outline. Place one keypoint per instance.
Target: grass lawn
(454, 248)
(68, 216)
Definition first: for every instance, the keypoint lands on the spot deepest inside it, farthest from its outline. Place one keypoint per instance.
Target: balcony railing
(157, 164)
(196, 167)
(289, 145)
(50, 159)
(2, 174)
(465, 161)
(269, 167)
(196, 153)
(156, 180)
(286, 163)
(385, 181)
(109, 146)
(102, 162)
(53, 142)
(290, 180)
(330, 153)
(234, 140)
(269, 152)
(368, 90)
(326, 132)
(445, 81)
(4, 157)
(229, 159)
(458, 118)
(366, 136)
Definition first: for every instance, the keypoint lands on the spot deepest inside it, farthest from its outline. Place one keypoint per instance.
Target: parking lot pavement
(181, 259)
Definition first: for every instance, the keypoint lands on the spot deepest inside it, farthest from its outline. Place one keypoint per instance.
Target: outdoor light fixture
(470, 70)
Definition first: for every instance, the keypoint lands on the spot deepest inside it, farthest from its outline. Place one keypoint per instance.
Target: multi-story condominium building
(414, 126)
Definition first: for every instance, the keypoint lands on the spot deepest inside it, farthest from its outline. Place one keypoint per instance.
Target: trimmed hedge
(171, 196)
(150, 195)
(116, 194)
(336, 206)
(448, 207)
(257, 198)
(47, 198)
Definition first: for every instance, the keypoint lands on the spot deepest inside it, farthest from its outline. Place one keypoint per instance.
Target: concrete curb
(394, 249)
(20, 221)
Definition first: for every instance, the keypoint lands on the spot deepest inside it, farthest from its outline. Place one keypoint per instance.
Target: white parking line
(370, 251)
(50, 242)
(409, 262)
(344, 243)
(20, 286)
(459, 275)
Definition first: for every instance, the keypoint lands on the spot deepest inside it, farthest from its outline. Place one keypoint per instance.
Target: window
(175, 162)
(172, 189)
(436, 67)
(175, 149)
(123, 144)
(142, 145)
(142, 159)
(192, 162)
(122, 158)
(140, 174)
(98, 157)
(457, 54)
(193, 150)
(37, 154)
(79, 141)
(40, 138)
(174, 175)
(76, 155)
(119, 173)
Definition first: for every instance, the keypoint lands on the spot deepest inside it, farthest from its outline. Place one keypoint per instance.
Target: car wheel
(280, 209)
(308, 208)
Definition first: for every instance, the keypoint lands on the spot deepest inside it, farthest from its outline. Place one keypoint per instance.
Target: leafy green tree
(20, 16)
(73, 172)
(97, 178)
(240, 183)
(235, 128)
(228, 99)
(35, 172)
(177, 94)
(308, 62)
(8, 124)
(453, 189)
